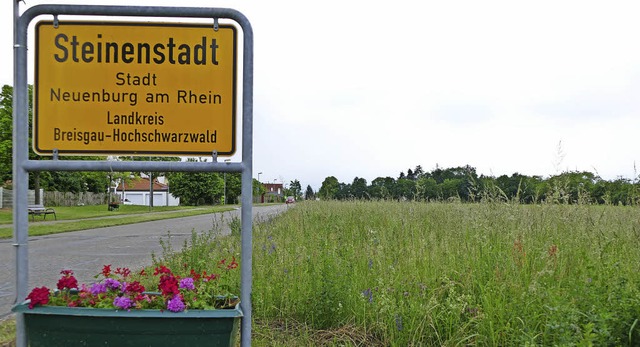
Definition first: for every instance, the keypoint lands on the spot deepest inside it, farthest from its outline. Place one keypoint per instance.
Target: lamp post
(259, 173)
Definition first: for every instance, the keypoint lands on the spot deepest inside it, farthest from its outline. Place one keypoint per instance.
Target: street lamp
(259, 173)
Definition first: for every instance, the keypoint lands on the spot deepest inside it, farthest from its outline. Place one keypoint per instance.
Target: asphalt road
(85, 252)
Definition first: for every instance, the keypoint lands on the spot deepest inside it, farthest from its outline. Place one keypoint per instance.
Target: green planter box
(48, 326)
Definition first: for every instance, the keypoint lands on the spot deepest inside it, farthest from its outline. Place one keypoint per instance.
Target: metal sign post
(22, 165)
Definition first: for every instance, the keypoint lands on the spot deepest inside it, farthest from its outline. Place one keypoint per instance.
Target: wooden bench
(40, 210)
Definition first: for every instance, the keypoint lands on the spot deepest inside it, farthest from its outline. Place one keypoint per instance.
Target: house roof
(142, 185)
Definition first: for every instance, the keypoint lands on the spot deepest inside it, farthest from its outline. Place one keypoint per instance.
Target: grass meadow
(442, 274)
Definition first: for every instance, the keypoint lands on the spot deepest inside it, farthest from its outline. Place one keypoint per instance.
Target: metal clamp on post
(55, 154)
(216, 25)
(214, 154)
(55, 21)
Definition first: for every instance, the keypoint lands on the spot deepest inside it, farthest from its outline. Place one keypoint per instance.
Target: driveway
(86, 251)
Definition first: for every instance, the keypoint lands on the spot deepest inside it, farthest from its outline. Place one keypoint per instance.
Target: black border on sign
(135, 153)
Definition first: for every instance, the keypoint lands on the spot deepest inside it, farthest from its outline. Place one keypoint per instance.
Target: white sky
(372, 88)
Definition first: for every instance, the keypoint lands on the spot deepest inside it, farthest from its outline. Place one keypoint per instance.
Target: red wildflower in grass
(143, 273)
(222, 263)
(195, 275)
(38, 296)
(233, 264)
(208, 278)
(106, 270)
(67, 280)
(124, 272)
(169, 285)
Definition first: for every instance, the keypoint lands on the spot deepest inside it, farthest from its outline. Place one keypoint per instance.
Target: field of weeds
(434, 274)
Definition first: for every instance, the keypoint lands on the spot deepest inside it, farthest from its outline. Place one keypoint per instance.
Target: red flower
(124, 272)
(195, 275)
(134, 287)
(222, 263)
(168, 286)
(38, 296)
(210, 277)
(233, 264)
(67, 280)
(106, 270)
(162, 270)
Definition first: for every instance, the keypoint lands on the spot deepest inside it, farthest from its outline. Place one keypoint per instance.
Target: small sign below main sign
(120, 88)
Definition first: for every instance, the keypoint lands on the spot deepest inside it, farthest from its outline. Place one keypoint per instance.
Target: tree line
(464, 184)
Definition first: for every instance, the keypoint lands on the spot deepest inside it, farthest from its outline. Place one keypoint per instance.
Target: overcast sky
(371, 88)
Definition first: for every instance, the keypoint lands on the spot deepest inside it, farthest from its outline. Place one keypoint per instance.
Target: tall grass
(416, 274)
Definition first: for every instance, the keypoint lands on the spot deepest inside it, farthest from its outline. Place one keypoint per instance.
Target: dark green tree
(329, 188)
(427, 189)
(295, 189)
(405, 189)
(197, 188)
(344, 191)
(359, 188)
(6, 135)
(382, 188)
(234, 187)
(258, 189)
(309, 193)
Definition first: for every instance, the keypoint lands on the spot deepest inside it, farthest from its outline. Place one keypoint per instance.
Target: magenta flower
(176, 304)
(187, 283)
(112, 283)
(122, 302)
(98, 288)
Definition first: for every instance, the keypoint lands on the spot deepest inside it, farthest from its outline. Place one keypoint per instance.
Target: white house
(137, 192)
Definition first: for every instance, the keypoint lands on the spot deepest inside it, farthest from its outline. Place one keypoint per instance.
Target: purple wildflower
(187, 283)
(399, 322)
(98, 288)
(112, 283)
(122, 302)
(175, 304)
(368, 294)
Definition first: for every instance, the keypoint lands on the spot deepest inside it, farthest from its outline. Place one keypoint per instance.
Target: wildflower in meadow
(399, 322)
(368, 294)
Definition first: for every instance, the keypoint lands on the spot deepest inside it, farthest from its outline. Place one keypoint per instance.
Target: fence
(6, 197)
(77, 199)
(57, 198)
